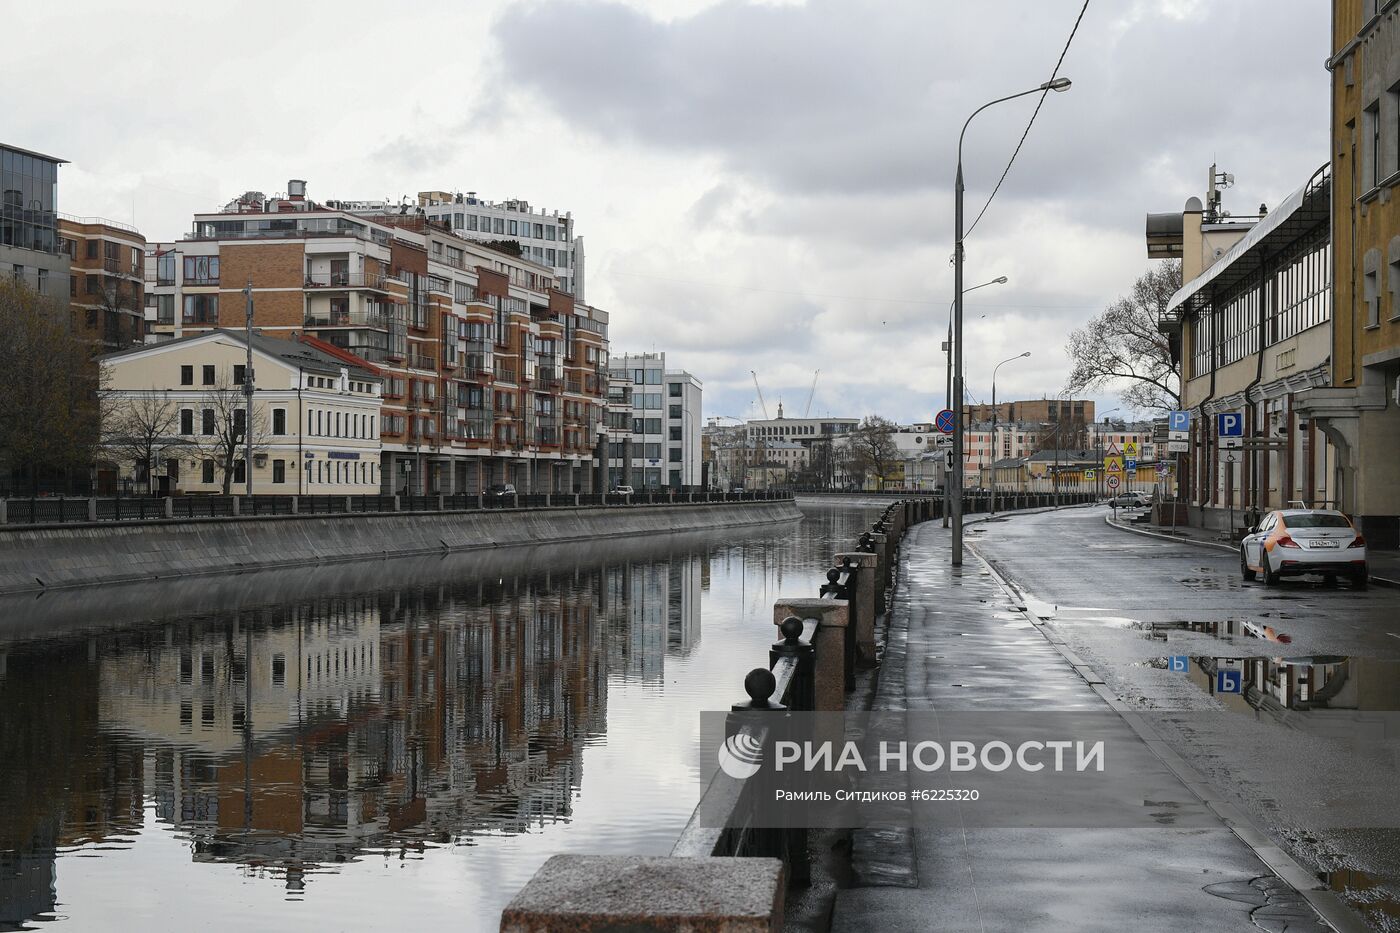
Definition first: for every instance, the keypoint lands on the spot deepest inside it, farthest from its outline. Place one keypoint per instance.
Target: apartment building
(29, 251)
(1358, 409)
(1251, 326)
(491, 373)
(544, 237)
(315, 428)
(1035, 409)
(653, 423)
(106, 279)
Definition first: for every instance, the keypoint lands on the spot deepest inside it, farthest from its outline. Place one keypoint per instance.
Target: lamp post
(948, 388)
(956, 484)
(1018, 356)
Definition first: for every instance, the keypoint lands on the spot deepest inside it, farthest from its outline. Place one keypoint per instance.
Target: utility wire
(1030, 122)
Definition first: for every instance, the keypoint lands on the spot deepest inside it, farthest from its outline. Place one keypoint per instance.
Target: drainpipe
(1266, 295)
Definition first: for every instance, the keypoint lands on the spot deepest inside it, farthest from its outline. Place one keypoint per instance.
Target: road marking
(1392, 635)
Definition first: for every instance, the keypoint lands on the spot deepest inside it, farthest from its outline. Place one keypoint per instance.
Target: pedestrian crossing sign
(1090, 474)
(1113, 464)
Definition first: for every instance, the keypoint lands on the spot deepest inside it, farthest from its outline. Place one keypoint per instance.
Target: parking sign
(1229, 424)
(1178, 664)
(1228, 680)
(1179, 421)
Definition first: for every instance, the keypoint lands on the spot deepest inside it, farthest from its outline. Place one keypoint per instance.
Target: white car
(1290, 542)
(624, 491)
(1130, 500)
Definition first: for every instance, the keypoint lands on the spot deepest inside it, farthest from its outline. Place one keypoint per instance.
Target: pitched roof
(294, 353)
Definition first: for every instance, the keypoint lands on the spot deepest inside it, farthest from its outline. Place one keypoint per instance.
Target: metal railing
(56, 510)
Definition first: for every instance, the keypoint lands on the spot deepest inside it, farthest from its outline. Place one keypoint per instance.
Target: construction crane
(811, 394)
(761, 402)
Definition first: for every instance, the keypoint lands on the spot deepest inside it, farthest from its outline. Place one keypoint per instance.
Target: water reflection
(327, 717)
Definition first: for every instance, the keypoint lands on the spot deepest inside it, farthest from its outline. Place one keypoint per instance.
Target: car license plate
(1325, 542)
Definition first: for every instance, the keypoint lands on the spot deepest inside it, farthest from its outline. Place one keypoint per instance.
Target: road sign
(1113, 450)
(1179, 664)
(1229, 424)
(1228, 680)
(1130, 465)
(1178, 447)
(1113, 464)
(1179, 421)
(1231, 443)
(948, 461)
(945, 421)
(1230, 456)
(943, 440)
(1130, 450)
(1162, 468)
(1090, 474)
(1112, 482)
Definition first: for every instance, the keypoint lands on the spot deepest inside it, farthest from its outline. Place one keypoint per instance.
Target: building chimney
(296, 190)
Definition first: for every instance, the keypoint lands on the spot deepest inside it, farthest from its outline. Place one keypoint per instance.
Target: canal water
(396, 745)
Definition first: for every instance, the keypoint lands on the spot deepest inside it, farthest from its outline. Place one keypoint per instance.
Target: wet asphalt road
(1311, 752)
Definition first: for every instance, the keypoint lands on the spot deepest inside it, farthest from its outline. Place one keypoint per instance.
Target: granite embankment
(39, 558)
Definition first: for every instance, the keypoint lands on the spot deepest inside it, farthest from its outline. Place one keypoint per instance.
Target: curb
(1229, 548)
(1329, 906)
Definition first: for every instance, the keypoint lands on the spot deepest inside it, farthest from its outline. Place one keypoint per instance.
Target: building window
(675, 411)
(187, 421)
(240, 473)
(279, 421)
(206, 422)
(201, 270)
(240, 373)
(208, 375)
(186, 375)
(201, 309)
(206, 474)
(674, 390)
(1373, 149)
(1371, 285)
(279, 471)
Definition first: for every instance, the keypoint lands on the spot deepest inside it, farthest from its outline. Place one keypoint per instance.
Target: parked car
(1129, 500)
(501, 491)
(1291, 542)
(624, 491)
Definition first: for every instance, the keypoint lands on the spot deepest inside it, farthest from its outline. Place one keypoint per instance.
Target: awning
(1300, 211)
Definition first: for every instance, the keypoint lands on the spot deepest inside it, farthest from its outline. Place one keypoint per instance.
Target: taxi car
(1290, 542)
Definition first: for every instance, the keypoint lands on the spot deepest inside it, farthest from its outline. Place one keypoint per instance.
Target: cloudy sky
(761, 185)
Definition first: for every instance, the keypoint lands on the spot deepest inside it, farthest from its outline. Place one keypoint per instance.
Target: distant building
(106, 279)
(1036, 409)
(653, 423)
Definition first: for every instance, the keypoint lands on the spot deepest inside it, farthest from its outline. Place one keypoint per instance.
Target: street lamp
(1058, 84)
(1019, 356)
(948, 389)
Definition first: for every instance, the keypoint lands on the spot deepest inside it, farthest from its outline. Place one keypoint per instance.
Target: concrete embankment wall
(82, 555)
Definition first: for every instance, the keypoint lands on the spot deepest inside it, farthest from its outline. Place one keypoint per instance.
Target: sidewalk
(957, 642)
(1384, 565)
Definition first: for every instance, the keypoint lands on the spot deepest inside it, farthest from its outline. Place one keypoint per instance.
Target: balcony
(372, 280)
(505, 373)
(417, 359)
(360, 317)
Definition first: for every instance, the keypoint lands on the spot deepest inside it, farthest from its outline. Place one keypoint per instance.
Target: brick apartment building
(491, 373)
(106, 279)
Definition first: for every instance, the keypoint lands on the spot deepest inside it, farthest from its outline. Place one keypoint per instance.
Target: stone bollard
(863, 608)
(296, 505)
(441, 503)
(882, 570)
(575, 500)
(92, 509)
(832, 615)
(169, 505)
(4, 512)
(398, 506)
(234, 508)
(650, 894)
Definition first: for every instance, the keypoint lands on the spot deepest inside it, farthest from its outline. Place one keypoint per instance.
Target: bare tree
(225, 445)
(142, 428)
(49, 406)
(1123, 344)
(872, 448)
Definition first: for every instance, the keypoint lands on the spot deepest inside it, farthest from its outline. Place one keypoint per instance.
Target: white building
(653, 423)
(545, 237)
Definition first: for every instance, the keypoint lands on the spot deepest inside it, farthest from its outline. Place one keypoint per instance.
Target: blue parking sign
(1230, 424)
(1129, 465)
(1179, 421)
(1229, 681)
(1178, 664)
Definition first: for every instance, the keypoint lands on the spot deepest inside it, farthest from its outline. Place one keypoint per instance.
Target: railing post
(398, 505)
(862, 589)
(168, 507)
(349, 506)
(91, 508)
(4, 512)
(441, 503)
(296, 505)
(829, 644)
(575, 500)
(234, 508)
